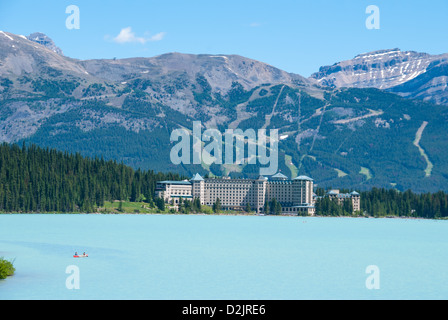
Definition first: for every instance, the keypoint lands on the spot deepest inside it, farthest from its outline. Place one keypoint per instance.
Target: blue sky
(295, 35)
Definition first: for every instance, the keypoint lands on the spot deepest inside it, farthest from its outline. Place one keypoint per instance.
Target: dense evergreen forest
(33, 179)
(390, 202)
(380, 202)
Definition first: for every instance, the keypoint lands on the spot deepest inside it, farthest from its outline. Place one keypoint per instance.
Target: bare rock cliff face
(44, 40)
(408, 73)
(379, 69)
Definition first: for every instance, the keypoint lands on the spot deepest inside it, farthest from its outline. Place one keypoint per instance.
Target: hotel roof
(303, 178)
(175, 182)
(279, 176)
(197, 177)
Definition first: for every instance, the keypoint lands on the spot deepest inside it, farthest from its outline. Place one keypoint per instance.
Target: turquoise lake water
(223, 257)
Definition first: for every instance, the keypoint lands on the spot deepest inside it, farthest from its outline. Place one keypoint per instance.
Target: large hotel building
(295, 195)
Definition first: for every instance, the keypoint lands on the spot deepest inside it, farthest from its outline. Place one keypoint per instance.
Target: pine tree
(266, 207)
(217, 206)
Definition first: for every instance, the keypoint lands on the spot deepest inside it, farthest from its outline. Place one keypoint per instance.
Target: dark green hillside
(351, 138)
(360, 137)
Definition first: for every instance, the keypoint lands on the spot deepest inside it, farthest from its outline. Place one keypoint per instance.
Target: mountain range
(379, 119)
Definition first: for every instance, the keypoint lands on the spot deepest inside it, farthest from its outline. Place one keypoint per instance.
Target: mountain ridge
(125, 109)
(386, 69)
(391, 70)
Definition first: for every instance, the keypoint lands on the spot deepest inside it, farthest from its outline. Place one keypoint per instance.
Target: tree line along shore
(38, 180)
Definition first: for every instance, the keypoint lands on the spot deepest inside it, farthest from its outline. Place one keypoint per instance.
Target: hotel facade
(295, 195)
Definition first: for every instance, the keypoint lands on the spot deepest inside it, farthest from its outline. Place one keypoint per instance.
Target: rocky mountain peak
(44, 40)
(380, 69)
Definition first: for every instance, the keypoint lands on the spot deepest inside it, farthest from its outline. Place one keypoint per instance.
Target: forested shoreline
(37, 180)
(33, 179)
(381, 202)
